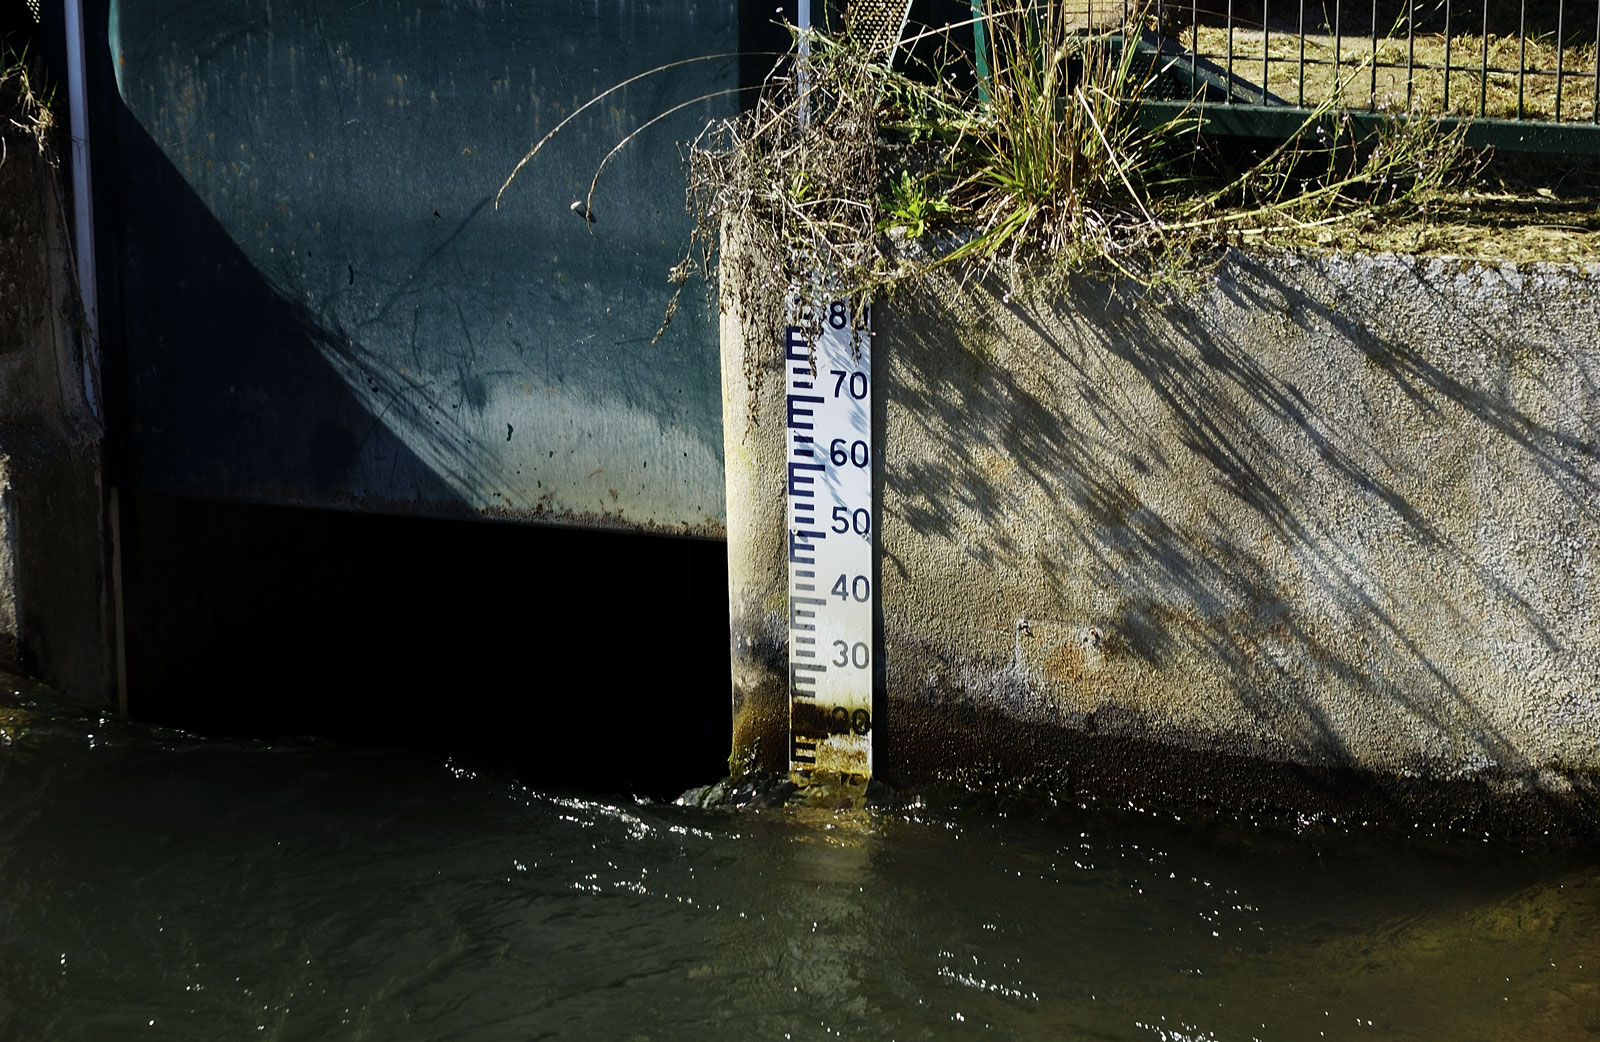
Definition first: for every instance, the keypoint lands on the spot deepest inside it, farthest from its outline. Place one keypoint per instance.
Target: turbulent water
(157, 885)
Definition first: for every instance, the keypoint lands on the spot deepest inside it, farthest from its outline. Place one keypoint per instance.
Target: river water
(153, 884)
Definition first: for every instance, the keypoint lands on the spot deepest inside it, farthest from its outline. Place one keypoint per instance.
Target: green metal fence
(1524, 74)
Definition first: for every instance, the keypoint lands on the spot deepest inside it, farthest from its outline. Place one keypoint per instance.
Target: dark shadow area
(18, 28)
(1575, 20)
(1051, 767)
(573, 658)
(763, 41)
(939, 44)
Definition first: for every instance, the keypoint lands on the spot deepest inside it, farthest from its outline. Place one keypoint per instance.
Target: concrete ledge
(753, 455)
(1336, 517)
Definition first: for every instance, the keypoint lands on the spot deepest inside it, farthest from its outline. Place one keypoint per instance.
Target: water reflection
(156, 884)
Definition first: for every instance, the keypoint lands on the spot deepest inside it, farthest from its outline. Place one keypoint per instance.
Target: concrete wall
(55, 595)
(315, 297)
(1320, 535)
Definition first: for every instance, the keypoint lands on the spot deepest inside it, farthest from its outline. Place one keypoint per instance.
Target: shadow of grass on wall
(1333, 511)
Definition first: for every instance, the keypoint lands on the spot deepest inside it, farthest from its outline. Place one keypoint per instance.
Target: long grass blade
(575, 113)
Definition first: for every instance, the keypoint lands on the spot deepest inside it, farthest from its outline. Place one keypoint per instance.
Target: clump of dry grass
(1055, 165)
(1329, 173)
(1047, 173)
(798, 174)
(1041, 171)
(25, 104)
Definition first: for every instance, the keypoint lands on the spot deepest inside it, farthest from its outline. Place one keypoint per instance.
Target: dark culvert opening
(572, 658)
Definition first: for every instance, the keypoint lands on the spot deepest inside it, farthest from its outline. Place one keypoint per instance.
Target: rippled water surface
(155, 885)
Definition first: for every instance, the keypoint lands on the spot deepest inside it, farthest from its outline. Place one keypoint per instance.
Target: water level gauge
(828, 370)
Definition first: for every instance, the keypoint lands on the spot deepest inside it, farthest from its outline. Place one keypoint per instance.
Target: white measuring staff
(828, 378)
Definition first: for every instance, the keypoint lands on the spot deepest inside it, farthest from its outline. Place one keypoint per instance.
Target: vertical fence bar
(1522, 52)
(1194, 46)
(1447, 54)
(1372, 90)
(1300, 91)
(1594, 104)
(1266, 46)
(1230, 51)
(1483, 81)
(1411, 48)
(1336, 40)
(1561, 51)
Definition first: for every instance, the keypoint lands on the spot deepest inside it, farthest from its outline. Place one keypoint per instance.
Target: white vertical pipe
(83, 203)
(89, 292)
(803, 73)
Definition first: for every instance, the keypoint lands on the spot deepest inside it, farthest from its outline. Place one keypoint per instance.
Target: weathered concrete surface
(754, 452)
(319, 299)
(55, 617)
(1330, 521)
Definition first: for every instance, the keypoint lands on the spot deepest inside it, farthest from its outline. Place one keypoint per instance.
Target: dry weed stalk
(27, 104)
(797, 176)
(1047, 173)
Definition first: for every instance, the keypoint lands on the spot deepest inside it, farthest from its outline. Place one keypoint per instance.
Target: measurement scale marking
(829, 495)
